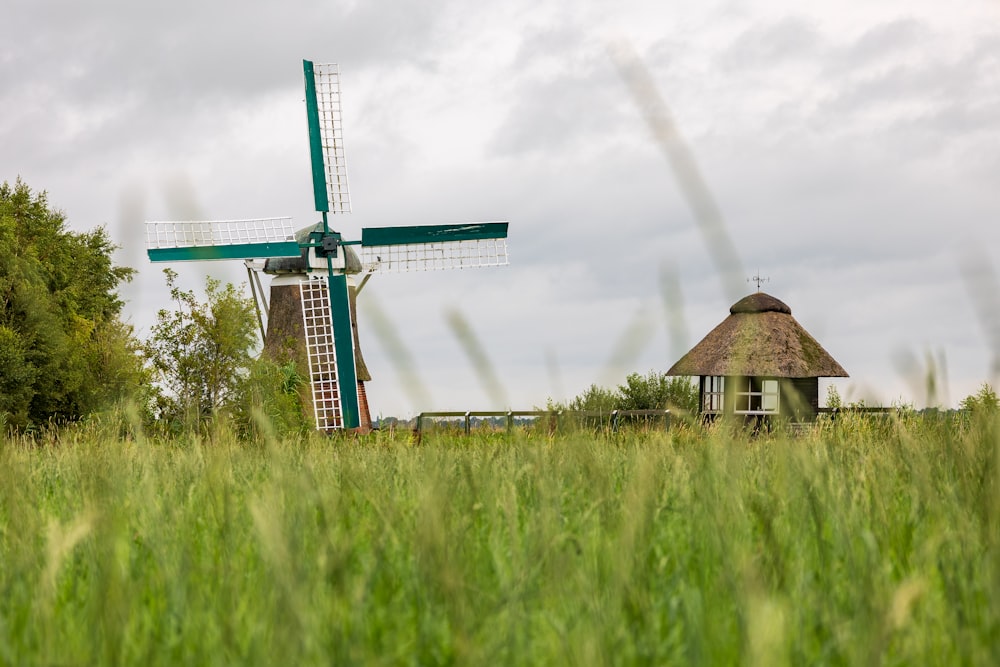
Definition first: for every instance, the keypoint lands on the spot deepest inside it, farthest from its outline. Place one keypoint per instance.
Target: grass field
(868, 542)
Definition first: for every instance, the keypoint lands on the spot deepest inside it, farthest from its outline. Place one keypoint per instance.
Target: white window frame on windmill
(756, 396)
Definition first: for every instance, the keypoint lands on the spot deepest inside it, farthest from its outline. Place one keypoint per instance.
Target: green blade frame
(222, 252)
(388, 236)
(315, 138)
(343, 341)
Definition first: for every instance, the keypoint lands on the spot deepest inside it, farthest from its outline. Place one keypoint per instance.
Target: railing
(833, 412)
(611, 420)
(614, 417)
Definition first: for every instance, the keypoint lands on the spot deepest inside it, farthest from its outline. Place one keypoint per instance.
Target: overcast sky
(852, 149)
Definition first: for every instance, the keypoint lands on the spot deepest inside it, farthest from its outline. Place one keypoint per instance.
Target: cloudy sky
(852, 150)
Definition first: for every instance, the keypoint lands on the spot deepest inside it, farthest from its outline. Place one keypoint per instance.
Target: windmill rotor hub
(328, 245)
(311, 260)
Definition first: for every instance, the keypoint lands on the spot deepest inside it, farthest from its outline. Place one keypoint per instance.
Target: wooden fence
(611, 420)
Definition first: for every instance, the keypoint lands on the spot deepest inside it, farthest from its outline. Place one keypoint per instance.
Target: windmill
(312, 306)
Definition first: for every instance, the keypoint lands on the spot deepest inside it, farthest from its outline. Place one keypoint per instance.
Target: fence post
(468, 423)
(510, 422)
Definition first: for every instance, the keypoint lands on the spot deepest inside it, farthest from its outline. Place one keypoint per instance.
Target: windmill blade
(433, 247)
(326, 137)
(220, 239)
(329, 342)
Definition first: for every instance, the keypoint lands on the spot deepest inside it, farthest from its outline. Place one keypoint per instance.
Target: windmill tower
(312, 317)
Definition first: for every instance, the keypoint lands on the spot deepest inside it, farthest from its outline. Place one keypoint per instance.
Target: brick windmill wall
(286, 340)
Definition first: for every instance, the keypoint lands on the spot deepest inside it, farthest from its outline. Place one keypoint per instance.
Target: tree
(596, 399)
(658, 391)
(833, 399)
(983, 402)
(64, 352)
(653, 391)
(201, 351)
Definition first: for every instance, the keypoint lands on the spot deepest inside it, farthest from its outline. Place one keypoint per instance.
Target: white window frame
(713, 394)
(757, 396)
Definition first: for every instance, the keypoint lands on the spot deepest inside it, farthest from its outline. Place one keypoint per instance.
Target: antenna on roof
(756, 278)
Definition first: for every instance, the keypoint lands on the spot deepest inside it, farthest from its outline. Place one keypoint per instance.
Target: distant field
(872, 542)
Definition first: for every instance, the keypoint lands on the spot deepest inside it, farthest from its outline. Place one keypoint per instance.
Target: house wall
(798, 398)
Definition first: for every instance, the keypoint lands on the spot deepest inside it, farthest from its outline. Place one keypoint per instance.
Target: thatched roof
(759, 338)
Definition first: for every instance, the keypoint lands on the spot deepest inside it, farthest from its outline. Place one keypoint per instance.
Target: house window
(756, 396)
(711, 397)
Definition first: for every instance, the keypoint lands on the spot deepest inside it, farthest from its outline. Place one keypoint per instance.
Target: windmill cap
(760, 303)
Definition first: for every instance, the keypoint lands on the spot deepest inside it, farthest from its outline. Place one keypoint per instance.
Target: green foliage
(596, 399)
(866, 542)
(984, 401)
(17, 376)
(833, 399)
(658, 391)
(653, 391)
(64, 353)
(269, 400)
(201, 351)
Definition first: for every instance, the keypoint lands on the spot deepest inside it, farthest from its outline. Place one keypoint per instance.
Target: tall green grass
(865, 542)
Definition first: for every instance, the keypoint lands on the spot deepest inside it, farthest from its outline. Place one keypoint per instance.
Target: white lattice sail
(433, 247)
(220, 239)
(321, 355)
(435, 256)
(331, 130)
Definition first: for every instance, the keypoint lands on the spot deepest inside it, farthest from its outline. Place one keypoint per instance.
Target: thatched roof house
(759, 361)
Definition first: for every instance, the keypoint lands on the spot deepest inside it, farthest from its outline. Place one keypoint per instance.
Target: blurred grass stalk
(646, 94)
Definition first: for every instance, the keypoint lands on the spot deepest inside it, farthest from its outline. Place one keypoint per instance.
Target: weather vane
(756, 278)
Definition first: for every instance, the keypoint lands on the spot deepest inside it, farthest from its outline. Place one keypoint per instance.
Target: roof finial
(756, 278)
